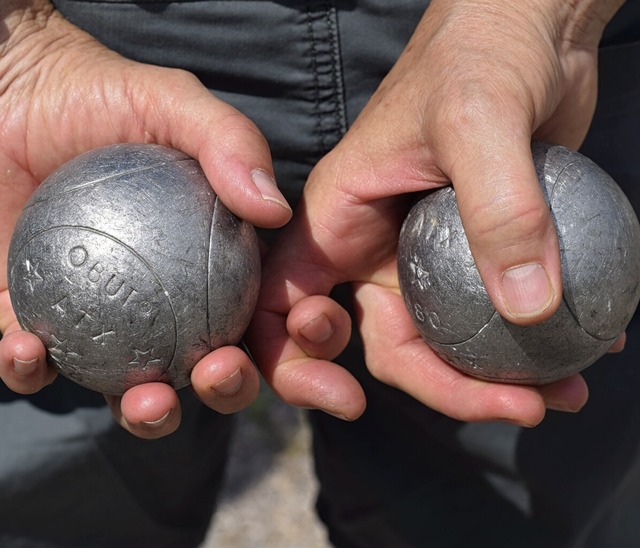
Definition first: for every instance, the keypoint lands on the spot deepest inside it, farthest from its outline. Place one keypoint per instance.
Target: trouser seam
(329, 107)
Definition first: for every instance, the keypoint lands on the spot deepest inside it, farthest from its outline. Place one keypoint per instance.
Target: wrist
(20, 17)
(583, 21)
(575, 22)
(19, 21)
(30, 30)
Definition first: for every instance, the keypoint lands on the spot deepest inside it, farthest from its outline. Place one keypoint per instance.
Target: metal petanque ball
(600, 252)
(129, 268)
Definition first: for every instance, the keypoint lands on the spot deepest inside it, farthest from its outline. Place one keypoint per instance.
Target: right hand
(62, 93)
(476, 81)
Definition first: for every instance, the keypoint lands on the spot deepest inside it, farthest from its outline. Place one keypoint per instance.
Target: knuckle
(471, 108)
(509, 221)
(182, 76)
(234, 128)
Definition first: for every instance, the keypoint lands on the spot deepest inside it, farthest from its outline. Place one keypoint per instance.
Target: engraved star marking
(32, 276)
(58, 348)
(60, 351)
(144, 358)
(420, 275)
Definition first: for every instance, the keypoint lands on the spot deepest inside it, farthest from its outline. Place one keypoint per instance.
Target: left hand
(63, 93)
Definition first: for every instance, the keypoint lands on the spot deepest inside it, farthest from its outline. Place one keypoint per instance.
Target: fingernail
(318, 330)
(527, 289)
(563, 406)
(25, 367)
(339, 416)
(519, 423)
(268, 188)
(229, 386)
(160, 421)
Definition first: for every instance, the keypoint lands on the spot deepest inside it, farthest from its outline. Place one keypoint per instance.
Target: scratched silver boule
(600, 253)
(130, 269)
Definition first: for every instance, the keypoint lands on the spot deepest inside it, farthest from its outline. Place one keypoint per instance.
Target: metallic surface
(130, 269)
(600, 252)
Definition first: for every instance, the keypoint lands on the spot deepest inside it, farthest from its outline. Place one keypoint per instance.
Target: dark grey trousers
(402, 475)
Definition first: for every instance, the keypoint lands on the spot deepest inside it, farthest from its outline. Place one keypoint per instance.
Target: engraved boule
(130, 269)
(599, 240)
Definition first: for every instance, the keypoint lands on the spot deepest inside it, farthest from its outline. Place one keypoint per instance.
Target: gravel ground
(268, 500)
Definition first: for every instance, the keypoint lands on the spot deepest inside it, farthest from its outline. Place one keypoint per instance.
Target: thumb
(510, 230)
(232, 151)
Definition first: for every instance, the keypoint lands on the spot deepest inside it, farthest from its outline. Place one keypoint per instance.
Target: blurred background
(270, 489)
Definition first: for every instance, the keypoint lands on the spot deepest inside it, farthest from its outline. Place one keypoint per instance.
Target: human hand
(476, 81)
(62, 93)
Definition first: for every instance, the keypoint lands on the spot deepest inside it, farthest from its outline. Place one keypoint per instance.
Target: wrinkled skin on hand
(62, 93)
(476, 82)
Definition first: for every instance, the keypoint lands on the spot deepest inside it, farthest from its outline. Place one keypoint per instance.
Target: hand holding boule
(84, 103)
(600, 253)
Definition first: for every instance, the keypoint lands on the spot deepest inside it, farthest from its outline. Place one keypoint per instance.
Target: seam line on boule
(577, 320)
(216, 203)
(464, 341)
(555, 182)
(570, 309)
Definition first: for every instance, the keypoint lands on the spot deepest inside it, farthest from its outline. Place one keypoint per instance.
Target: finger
(509, 227)
(23, 365)
(397, 356)
(619, 344)
(226, 380)
(320, 326)
(293, 271)
(233, 153)
(148, 411)
(298, 379)
(569, 395)
(8, 320)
